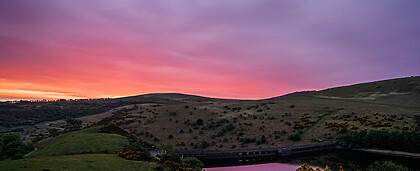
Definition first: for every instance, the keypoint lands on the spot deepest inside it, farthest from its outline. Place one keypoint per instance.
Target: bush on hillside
(194, 163)
(263, 140)
(200, 122)
(136, 155)
(383, 139)
(171, 157)
(295, 137)
(386, 166)
(306, 167)
(11, 145)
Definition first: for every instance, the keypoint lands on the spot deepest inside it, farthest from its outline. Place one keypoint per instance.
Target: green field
(76, 162)
(83, 141)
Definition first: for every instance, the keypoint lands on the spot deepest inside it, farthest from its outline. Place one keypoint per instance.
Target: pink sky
(247, 49)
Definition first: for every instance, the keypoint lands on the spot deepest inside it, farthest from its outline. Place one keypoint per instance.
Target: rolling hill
(312, 116)
(195, 122)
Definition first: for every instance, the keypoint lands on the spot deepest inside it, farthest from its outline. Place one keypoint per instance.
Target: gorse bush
(136, 155)
(306, 167)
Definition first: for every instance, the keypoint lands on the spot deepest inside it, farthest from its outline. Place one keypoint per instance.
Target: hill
(372, 90)
(299, 118)
(195, 122)
(83, 141)
(400, 91)
(86, 149)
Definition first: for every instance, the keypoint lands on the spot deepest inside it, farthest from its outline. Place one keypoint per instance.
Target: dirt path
(30, 152)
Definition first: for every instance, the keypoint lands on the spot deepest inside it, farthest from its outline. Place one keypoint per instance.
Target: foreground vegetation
(95, 148)
(77, 162)
(384, 139)
(377, 166)
(12, 146)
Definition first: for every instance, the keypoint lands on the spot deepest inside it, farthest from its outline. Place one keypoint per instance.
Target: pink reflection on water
(258, 167)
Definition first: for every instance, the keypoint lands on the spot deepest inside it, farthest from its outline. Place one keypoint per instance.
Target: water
(262, 167)
(350, 160)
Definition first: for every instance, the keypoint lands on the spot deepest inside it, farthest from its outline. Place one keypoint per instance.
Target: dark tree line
(408, 141)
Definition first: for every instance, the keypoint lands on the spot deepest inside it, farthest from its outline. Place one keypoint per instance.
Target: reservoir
(350, 160)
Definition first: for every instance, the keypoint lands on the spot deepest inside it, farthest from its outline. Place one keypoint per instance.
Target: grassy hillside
(86, 140)
(76, 162)
(194, 122)
(408, 85)
(312, 116)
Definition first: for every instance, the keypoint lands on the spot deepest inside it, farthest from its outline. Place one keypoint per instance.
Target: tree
(194, 163)
(12, 146)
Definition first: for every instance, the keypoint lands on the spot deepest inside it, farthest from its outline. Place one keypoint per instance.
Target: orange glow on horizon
(244, 50)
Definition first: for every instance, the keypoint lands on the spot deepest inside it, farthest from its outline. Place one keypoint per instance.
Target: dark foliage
(11, 145)
(383, 139)
(295, 137)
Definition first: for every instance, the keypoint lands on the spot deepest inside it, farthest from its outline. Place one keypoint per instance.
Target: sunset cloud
(237, 49)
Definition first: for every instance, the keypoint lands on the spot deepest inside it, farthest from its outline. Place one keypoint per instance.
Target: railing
(261, 152)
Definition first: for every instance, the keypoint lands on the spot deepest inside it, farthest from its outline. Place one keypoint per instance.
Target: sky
(246, 49)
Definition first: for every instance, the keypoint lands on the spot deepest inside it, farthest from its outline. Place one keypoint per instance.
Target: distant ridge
(397, 86)
(294, 93)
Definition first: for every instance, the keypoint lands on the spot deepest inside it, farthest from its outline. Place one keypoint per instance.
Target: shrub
(167, 147)
(247, 140)
(263, 140)
(170, 136)
(200, 122)
(176, 166)
(12, 145)
(229, 127)
(74, 121)
(171, 157)
(386, 166)
(136, 155)
(295, 137)
(204, 144)
(305, 167)
(194, 163)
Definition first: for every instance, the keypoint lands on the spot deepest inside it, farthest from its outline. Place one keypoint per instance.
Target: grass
(83, 141)
(76, 162)
(401, 85)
